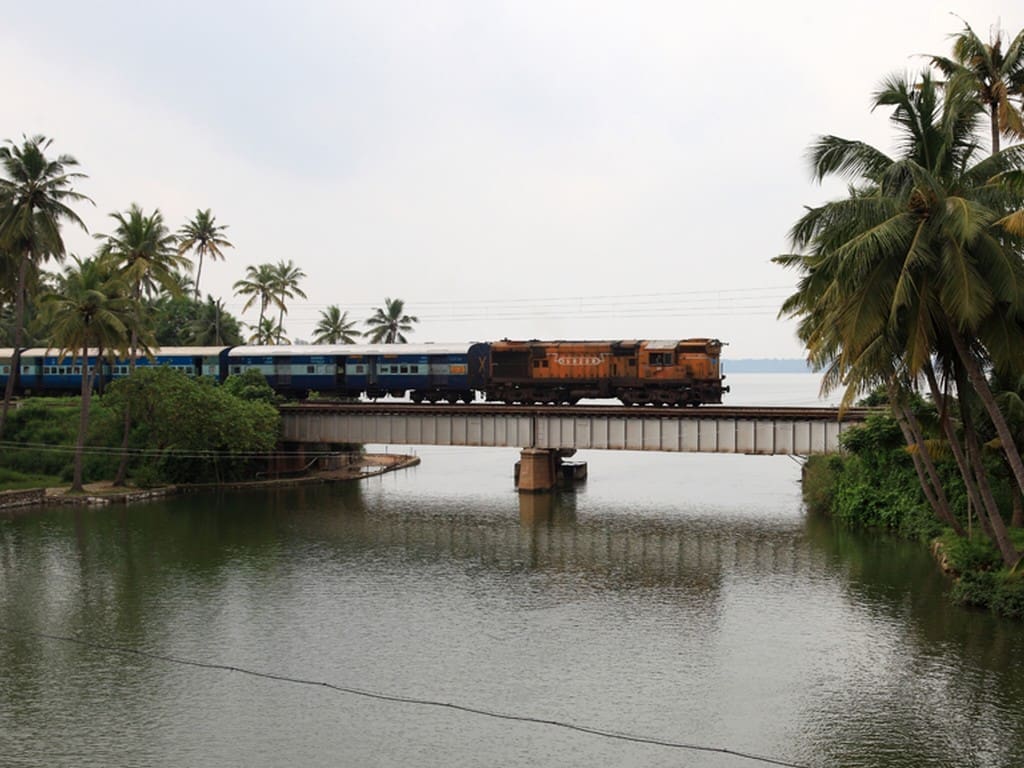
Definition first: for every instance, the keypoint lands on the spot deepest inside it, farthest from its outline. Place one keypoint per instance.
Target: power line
(192, 453)
(398, 699)
(736, 299)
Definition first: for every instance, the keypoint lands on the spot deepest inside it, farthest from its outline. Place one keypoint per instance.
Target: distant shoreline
(766, 365)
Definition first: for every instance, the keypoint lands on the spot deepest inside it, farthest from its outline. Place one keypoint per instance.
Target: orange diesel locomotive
(685, 372)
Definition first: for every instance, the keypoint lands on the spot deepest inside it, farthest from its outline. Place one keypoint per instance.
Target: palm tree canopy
(920, 238)
(334, 327)
(267, 331)
(259, 285)
(286, 286)
(204, 236)
(389, 323)
(993, 74)
(213, 325)
(146, 251)
(35, 197)
(90, 308)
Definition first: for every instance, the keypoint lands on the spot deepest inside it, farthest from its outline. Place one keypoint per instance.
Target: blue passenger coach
(431, 372)
(289, 369)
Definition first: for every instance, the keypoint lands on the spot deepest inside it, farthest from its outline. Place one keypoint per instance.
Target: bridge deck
(718, 429)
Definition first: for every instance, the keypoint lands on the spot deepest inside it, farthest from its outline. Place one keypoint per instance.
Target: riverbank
(876, 490)
(105, 492)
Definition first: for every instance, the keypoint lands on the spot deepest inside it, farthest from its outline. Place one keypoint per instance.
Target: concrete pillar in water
(536, 470)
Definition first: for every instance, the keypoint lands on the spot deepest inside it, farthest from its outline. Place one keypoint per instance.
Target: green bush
(881, 490)
(251, 385)
(39, 434)
(974, 588)
(195, 431)
(965, 555)
(1008, 598)
(819, 480)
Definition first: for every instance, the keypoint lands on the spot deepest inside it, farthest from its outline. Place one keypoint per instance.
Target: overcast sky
(527, 170)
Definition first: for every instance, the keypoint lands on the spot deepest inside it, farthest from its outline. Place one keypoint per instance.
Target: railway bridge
(547, 433)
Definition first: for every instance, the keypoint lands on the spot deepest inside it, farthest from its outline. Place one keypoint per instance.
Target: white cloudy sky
(546, 169)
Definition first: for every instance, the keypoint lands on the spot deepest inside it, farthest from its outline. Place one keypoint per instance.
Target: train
(679, 372)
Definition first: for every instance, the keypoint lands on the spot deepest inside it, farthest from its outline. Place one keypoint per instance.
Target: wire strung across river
(408, 700)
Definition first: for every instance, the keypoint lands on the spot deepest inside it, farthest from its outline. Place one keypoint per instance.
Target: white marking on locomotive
(580, 360)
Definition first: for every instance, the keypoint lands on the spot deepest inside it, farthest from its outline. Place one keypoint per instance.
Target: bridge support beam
(537, 470)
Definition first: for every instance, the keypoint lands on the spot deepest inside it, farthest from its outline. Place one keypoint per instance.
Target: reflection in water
(724, 625)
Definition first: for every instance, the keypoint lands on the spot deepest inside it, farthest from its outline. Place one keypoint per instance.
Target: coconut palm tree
(267, 332)
(213, 325)
(259, 285)
(91, 308)
(286, 286)
(145, 251)
(335, 327)
(146, 255)
(36, 193)
(922, 258)
(994, 75)
(204, 236)
(389, 323)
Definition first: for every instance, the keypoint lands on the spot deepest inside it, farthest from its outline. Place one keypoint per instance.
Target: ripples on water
(685, 598)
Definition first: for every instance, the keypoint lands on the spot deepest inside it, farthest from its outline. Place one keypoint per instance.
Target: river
(431, 617)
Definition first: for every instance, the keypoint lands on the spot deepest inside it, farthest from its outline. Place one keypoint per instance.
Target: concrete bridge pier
(538, 470)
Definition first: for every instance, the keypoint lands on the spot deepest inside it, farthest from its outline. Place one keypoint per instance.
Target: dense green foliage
(874, 485)
(251, 385)
(182, 431)
(40, 434)
(192, 431)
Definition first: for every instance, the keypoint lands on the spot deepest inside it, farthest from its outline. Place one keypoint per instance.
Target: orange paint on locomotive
(690, 359)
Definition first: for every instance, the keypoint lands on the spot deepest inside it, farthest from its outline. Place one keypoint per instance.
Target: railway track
(824, 413)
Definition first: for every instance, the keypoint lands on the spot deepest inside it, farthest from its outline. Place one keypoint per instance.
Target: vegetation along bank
(911, 286)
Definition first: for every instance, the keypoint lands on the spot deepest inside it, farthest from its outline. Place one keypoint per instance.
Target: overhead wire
(733, 301)
(191, 453)
(416, 701)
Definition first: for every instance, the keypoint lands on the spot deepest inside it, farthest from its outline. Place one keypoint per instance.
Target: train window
(544, 363)
(661, 358)
(405, 369)
(310, 369)
(237, 369)
(360, 369)
(414, 369)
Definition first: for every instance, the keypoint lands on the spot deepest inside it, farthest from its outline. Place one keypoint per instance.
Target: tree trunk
(83, 421)
(994, 111)
(973, 494)
(927, 474)
(121, 477)
(997, 526)
(1018, 512)
(199, 272)
(19, 336)
(980, 385)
